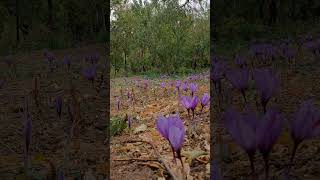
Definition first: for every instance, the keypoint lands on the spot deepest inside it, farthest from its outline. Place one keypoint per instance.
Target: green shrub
(117, 125)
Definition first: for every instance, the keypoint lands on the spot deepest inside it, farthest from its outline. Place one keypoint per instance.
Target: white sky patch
(195, 5)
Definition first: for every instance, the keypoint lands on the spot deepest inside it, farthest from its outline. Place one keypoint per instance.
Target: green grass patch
(117, 125)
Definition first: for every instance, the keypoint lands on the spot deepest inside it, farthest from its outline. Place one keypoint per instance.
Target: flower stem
(266, 163)
(251, 158)
(295, 147)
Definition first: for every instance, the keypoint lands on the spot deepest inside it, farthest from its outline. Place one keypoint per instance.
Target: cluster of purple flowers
(252, 133)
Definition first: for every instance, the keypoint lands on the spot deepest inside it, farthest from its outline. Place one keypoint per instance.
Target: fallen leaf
(190, 155)
(140, 129)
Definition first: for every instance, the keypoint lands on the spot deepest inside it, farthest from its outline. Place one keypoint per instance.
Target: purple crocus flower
(137, 82)
(92, 58)
(217, 73)
(263, 51)
(185, 86)
(267, 83)
(305, 124)
(219, 69)
(239, 80)
(205, 100)
(178, 84)
(90, 73)
(163, 84)
(95, 58)
(172, 129)
(146, 84)
(310, 46)
(50, 56)
(193, 88)
(128, 94)
(171, 83)
(268, 131)
(186, 102)
(59, 105)
(243, 129)
(129, 122)
(240, 61)
(67, 61)
(193, 104)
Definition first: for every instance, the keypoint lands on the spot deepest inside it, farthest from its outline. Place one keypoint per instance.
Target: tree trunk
(261, 10)
(293, 9)
(125, 63)
(194, 62)
(50, 18)
(273, 11)
(17, 22)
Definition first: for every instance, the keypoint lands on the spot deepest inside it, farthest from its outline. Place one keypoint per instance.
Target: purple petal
(205, 99)
(162, 126)
(269, 130)
(176, 137)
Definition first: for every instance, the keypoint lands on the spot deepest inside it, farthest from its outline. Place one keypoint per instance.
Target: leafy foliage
(159, 36)
(36, 24)
(117, 125)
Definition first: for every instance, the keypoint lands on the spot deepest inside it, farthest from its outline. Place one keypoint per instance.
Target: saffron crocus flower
(59, 105)
(129, 121)
(163, 84)
(95, 58)
(205, 100)
(50, 59)
(128, 94)
(268, 131)
(193, 88)
(305, 124)
(172, 129)
(171, 83)
(186, 102)
(310, 46)
(146, 84)
(193, 104)
(67, 61)
(50, 56)
(239, 80)
(90, 73)
(178, 84)
(185, 86)
(240, 61)
(267, 83)
(243, 129)
(217, 74)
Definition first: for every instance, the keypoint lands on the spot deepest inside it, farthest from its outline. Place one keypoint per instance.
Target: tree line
(159, 36)
(34, 24)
